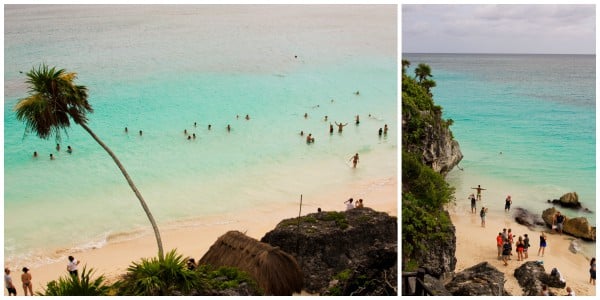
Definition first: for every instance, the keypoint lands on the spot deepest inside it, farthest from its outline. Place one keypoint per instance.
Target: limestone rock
(570, 200)
(354, 242)
(439, 259)
(575, 246)
(580, 227)
(482, 279)
(531, 275)
(548, 216)
(577, 227)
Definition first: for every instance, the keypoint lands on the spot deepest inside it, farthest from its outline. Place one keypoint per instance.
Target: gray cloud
(499, 28)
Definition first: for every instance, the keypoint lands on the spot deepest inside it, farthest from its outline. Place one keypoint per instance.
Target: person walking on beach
(479, 189)
(542, 244)
(349, 204)
(340, 126)
(12, 291)
(354, 160)
(559, 220)
(26, 279)
(527, 245)
(72, 266)
(482, 214)
(507, 204)
(499, 244)
(473, 203)
(593, 271)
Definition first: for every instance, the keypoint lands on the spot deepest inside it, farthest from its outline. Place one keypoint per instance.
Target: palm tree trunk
(133, 187)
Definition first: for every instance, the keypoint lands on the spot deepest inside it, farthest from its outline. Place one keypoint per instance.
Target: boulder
(570, 200)
(548, 216)
(482, 279)
(436, 286)
(575, 246)
(532, 274)
(580, 228)
(577, 227)
(525, 217)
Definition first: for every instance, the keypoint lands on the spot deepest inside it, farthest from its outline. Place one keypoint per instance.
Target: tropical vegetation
(424, 191)
(83, 285)
(54, 100)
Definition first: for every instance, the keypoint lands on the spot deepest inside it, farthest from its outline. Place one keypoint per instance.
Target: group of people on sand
(26, 278)
(505, 241)
(69, 150)
(350, 204)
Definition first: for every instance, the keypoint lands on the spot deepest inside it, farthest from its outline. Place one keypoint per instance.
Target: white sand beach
(475, 244)
(113, 259)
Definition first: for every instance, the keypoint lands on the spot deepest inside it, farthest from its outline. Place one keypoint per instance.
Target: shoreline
(193, 240)
(469, 251)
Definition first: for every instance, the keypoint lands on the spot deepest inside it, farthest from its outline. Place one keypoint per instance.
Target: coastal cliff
(429, 152)
(424, 131)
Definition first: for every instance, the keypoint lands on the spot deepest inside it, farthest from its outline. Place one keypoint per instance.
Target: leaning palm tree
(53, 100)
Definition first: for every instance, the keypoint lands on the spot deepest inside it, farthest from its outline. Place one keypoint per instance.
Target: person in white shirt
(72, 265)
(349, 204)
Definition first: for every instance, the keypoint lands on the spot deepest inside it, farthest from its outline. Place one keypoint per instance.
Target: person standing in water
(354, 160)
(479, 189)
(340, 126)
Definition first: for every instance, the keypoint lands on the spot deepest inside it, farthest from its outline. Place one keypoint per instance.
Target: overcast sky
(543, 28)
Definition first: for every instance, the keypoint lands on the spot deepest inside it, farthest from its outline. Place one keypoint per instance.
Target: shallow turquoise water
(526, 125)
(80, 200)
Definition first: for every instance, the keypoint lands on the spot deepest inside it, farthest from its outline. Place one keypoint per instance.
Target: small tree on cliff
(422, 72)
(55, 99)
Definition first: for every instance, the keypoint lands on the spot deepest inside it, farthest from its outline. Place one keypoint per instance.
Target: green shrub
(338, 217)
(69, 285)
(159, 277)
(225, 277)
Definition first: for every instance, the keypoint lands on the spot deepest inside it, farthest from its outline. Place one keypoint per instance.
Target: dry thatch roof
(275, 271)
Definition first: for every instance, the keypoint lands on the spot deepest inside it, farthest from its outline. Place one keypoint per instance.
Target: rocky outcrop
(568, 200)
(440, 151)
(436, 286)
(531, 275)
(438, 257)
(577, 227)
(524, 217)
(482, 279)
(342, 253)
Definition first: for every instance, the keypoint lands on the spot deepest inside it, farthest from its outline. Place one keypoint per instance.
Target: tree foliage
(424, 191)
(83, 285)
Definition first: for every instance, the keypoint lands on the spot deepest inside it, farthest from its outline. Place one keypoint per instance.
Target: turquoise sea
(162, 69)
(526, 125)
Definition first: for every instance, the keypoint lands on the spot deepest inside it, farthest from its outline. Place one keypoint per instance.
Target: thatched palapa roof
(275, 271)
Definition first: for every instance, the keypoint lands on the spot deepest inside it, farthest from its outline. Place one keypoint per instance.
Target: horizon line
(497, 53)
